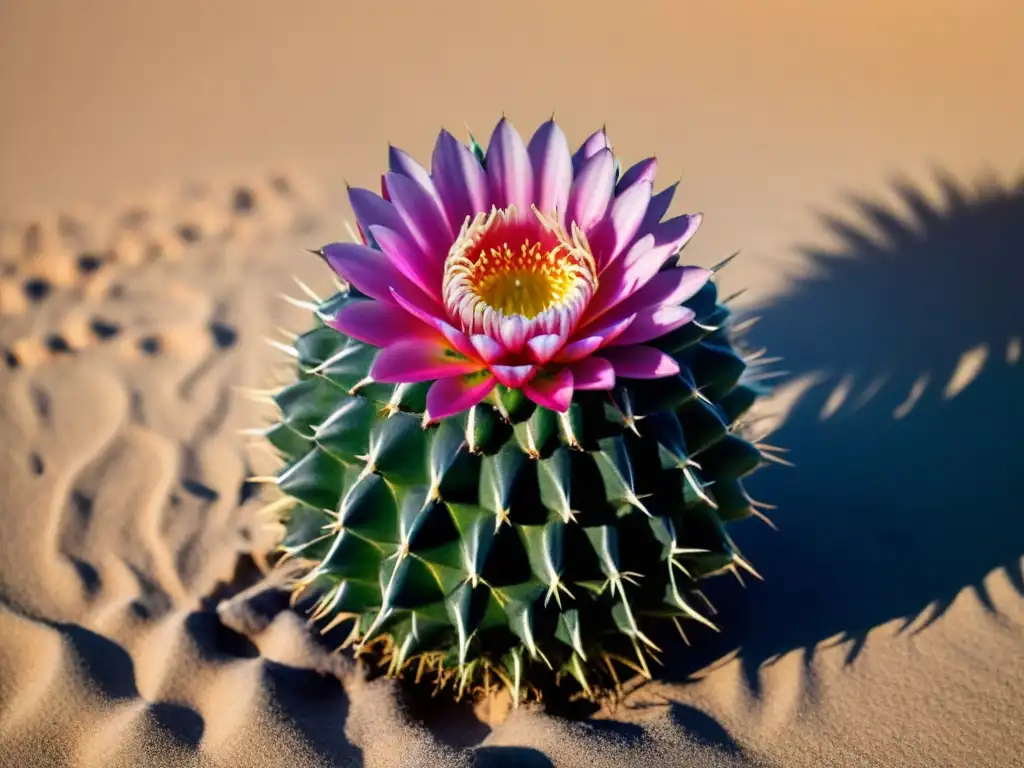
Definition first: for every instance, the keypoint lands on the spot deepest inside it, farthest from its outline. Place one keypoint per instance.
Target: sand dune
(868, 162)
(139, 630)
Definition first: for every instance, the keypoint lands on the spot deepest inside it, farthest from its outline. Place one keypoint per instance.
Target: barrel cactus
(515, 439)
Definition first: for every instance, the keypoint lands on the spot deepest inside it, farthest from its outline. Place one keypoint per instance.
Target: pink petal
(459, 179)
(429, 313)
(657, 209)
(595, 142)
(617, 231)
(591, 191)
(669, 238)
(508, 168)
(408, 259)
(415, 360)
(403, 163)
(371, 210)
(670, 286)
(642, 171)
(639, 362)
(576, 350)
(459, 341)
(513, 332)
(611, 329)
(643, 261)
(551, 390)
(378, 324)
(425, 223)
(371, 272)
(455, 394)
(628, 290)
(543, 347)
(593, 373)
(639, 247)
(653, 322)
(552, 168)
(487, 348)
(618, 281)
(513, 376)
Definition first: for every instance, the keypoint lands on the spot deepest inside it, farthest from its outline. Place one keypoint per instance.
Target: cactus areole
(516, 434)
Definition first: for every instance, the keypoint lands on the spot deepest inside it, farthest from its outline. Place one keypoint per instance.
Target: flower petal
(551, 390)
(591, 191)
(617, 282)
(607, 333)
(670, 286)
(415, 360)
(371, 272)
(513, 376)
(457, 339)
(455, 394)
(577, 350)
(425, 223)
(429, 313)
(508, 168)
(459, 179)
(641, 264)
(639, 362)
(402, 162)
(513, 332)
(635, 174)
(657, 209)
(593, 373)
(408, 259)
(619, 228)
(543, 347)
(640, 246)
(653, 322)
(595, 142)
(669, 238)
(487, 348)
(378, 324)
(371, 210)
(552, 168)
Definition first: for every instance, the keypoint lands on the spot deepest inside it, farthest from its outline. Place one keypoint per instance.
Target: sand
(162, 168)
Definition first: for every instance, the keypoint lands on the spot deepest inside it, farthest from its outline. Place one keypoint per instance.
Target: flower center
(523, 282)
(502, 266)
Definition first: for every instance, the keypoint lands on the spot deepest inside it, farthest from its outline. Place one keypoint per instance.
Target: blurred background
(162, 165)
(765, 110)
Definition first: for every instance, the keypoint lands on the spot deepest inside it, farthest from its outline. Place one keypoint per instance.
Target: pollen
(504, 265)
(522, 282)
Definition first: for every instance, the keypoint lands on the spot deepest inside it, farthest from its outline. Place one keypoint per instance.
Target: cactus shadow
(909, 471)
(511, 757)
(317, 706)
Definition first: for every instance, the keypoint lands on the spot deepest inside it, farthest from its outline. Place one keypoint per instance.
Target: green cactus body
(511, 543)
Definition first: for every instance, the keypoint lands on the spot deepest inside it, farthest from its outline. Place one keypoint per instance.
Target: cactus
(513, 542)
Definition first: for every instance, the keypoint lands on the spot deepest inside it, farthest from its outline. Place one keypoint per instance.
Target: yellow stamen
(543, 277)
(522, 283)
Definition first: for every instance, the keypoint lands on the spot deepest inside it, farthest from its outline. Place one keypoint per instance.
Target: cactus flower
(539, 270)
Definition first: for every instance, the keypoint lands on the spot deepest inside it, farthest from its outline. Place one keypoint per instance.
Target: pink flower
(539, 272)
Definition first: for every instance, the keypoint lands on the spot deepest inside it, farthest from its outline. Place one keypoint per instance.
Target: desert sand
(164, 166)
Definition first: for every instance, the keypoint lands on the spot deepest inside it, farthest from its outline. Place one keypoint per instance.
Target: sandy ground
(162, 166)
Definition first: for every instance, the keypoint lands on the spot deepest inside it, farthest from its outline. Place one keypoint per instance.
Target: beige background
(767, 110)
